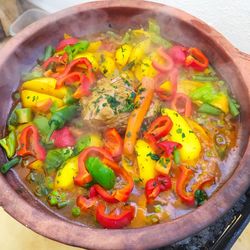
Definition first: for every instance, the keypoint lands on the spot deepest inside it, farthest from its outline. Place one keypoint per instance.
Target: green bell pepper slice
(101, 173)
(9, 144)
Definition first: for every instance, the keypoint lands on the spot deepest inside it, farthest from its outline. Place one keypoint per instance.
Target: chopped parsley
(113, 103)
(154, 157)
(128, 134)
(179, 131)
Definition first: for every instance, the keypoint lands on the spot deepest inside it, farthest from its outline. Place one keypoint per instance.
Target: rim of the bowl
(142, 238)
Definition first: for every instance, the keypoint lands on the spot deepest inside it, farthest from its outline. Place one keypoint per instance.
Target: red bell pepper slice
(168, 147)
(184, 177)
(83, 176)
(63, 138)
(119, 194)
(55, 59)
(178, 54)
(113, 220)
(65, 42)
(169, 64)
(30, 145)
(173, 78)
(77, 62)
(85, 203)
(160, 127)
(113, 142)
(156, 185)
(196, 59)
(179, 99)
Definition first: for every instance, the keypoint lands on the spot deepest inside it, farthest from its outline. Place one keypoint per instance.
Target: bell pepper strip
(44, 106)
(9, 144)
(45, 85)
(106, 196)
(163, 165)
(184, 177)
(60, 117)
(178, 100)
(168, 146)
(173, 78)
(114, 220)
(8, 165)
(30, 145)
(196, 59)
(86, 203)
(77, 63)
(66, 42)
(169, 64)
(144, 99)
(55, 59)
(150, 139)
(160, 127)
(83, 89)
(63, 138)
(113, 142)
(84, 176)
(156, 185)
(178, 54)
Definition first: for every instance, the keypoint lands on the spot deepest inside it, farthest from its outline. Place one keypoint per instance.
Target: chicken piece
(110, 104)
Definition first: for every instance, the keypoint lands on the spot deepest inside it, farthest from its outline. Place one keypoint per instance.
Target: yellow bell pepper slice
(36, 165)
(65, 176)
(145, 162)
(221, 102)
(46, 85)
(183, 134)
(122, 54)
(31, 98)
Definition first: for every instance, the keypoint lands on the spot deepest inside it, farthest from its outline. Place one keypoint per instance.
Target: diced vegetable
(24, 115)
(9, 144)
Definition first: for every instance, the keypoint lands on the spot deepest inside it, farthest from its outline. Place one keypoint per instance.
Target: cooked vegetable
(29, 144)
(101, 173)
(9, 144)
(24, 115)
(112, 220)
(60, 117)
(183, 134)
(122, 129)
(145, 162)
(8, 165)
(136, 117)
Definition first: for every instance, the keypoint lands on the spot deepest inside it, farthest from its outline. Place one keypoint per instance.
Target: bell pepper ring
(119, 194)
(169, 64)
(160, 127)
(184, 177)
(196, 59)
(115, 220)
(83, 176)
(30, 145)
(182, 99)
(156, 185)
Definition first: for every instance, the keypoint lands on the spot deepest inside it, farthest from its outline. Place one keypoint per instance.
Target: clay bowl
(20, 54)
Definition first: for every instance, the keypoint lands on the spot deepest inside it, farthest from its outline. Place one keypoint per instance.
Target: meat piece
(110, 104)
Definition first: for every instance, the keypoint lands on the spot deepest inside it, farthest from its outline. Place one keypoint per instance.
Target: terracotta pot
(19, 55)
